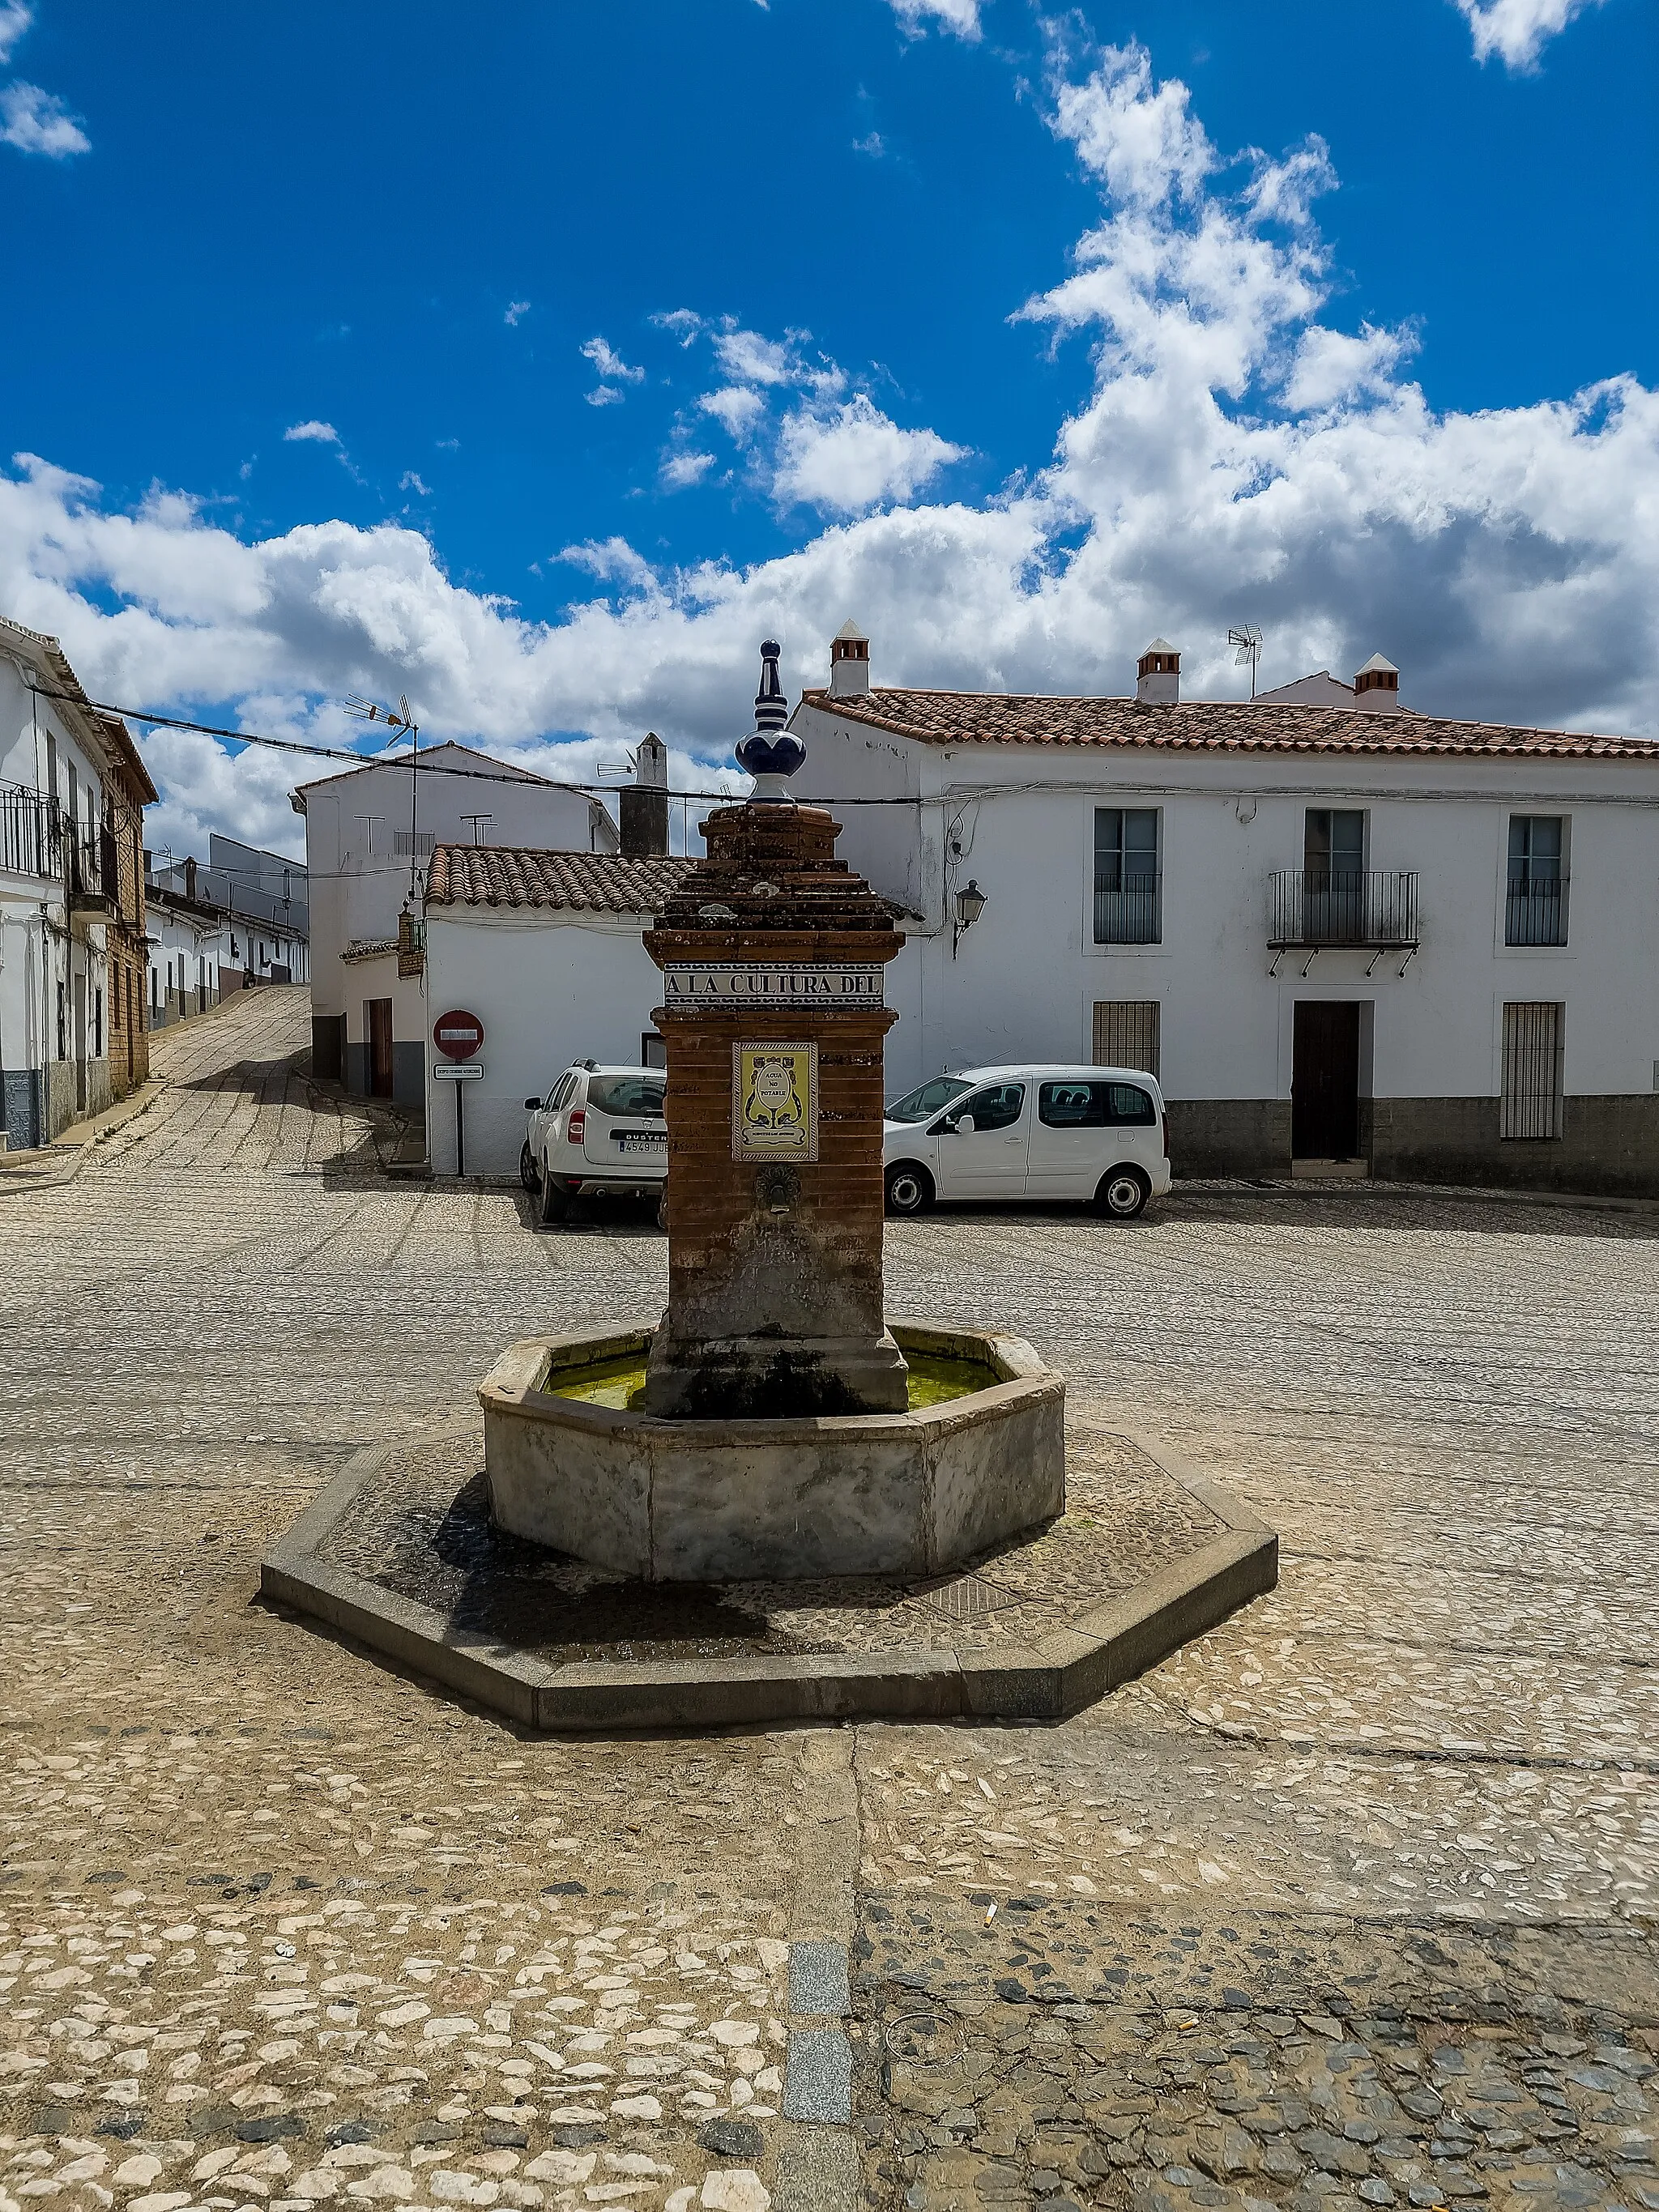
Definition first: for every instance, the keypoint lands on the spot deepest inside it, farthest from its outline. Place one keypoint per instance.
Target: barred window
(1531, 1104)
(1126, 1034)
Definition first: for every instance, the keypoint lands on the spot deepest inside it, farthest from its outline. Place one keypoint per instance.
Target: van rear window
(1090, 1105)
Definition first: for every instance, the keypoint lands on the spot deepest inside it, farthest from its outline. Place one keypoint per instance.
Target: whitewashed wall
(1024, 980)
(550, 988)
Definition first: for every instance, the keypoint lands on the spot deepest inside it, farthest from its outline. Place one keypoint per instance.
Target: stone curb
(1106, 1645)
(16, 1173)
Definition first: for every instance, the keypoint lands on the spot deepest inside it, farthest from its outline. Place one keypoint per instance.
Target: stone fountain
(773, 1424)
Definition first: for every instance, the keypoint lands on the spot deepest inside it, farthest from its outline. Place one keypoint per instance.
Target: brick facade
(774, 1301)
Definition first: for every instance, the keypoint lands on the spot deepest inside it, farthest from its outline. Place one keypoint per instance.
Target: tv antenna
(398, 719)
(1249, 641)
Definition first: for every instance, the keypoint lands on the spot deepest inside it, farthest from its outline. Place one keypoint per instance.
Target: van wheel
(556, 1202)
(529, 1173)
(909, 1189)
(1122, 1194)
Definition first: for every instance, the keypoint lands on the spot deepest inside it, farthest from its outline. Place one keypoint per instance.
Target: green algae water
(934, 1379)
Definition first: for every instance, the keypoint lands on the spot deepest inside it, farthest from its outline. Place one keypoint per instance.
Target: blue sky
(613, 334)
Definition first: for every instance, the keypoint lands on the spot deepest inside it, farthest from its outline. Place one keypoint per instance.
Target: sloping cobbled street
(1350, 1903)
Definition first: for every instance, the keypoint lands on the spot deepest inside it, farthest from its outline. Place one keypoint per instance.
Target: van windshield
(638, 1095)
(932, 1099)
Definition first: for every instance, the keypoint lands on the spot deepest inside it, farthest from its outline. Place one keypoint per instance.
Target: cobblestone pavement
(1350, 1903)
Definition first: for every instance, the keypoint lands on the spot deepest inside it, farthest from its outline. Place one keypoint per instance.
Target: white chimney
(1378, 686)
(849, 662)
(1158, 675)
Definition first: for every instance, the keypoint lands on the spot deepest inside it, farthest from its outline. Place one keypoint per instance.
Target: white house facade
(546, 950)
(72, 794)
(1342, 935)
(370, 836)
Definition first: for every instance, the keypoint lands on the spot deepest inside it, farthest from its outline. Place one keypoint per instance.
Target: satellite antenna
(1249, 641)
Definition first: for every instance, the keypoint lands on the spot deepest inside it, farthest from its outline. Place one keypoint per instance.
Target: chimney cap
(849, 632)
(1159, 645)
(1378, 665)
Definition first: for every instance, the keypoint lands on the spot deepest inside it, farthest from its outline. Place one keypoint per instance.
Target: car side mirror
(964, 1125)
(534, 1105)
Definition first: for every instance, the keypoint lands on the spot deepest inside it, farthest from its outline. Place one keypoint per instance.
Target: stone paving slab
(400, 1552)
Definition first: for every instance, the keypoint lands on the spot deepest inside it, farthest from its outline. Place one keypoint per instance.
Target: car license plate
(641, 1140)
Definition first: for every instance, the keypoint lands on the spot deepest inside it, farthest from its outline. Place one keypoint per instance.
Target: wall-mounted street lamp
(970, 904)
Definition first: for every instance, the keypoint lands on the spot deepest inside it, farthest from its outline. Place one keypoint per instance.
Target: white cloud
(961, 16)
(735, 407)
(875, 145)
(1233, 452)
(610, 363)
(854, 457)
(681, 470)
(604, 395)
(318, 433)
(37, 122)
(516, 312)
(682, 323)
(748, 358)
(1516, 30)
(410, 481)
(14, 19)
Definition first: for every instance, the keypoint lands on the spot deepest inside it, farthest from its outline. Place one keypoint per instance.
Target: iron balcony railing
(1370, 910)
(31, 833)
(1126, 907)
(95, 874)
(1536, 913)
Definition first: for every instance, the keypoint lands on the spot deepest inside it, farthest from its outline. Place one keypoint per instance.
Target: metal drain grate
(970, 1595)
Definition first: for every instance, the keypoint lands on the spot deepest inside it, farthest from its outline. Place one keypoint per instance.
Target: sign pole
(460, 1132)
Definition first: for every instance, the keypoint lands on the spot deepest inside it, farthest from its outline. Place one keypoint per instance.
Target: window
(1126, 1034)
(638, 1096)
(155, 989)
(1531, 1104)
(1126, 875)
(996, 1107)
(406, 844)
(1535, 902)
(920, 1104)
(1333, 876)
(1082, 1104)
(653, 1050)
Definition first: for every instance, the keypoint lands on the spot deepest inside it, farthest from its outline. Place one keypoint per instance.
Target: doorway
(380, 1048)
(1325, 1080)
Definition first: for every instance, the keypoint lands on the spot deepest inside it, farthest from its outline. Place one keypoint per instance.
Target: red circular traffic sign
(459, 1035)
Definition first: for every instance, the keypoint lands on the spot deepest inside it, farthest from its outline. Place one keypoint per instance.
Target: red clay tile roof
(965, 718)
(517, 875)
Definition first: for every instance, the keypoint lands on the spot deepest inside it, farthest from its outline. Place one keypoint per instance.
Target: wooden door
(1325, 1080)
(380, 1048)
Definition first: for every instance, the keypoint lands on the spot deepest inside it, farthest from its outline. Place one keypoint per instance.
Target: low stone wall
(1230, 1136)
(1606, 1144)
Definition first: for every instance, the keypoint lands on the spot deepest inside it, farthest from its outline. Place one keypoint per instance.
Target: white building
(188, 943)
(545, 948)
(72, 794)
(1336, 932)
(370, 833)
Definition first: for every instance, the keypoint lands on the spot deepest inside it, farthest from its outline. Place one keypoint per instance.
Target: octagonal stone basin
(777, 1500)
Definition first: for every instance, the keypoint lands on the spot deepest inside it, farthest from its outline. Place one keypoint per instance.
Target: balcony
(1535, 912)
(1356, 910)
(95, 874)
(31, 834)
(1127, 908)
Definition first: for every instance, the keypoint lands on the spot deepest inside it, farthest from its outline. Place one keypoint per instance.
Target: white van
(1094, 1133)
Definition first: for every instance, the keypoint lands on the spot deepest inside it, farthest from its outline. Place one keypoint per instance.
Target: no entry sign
(459, 1035)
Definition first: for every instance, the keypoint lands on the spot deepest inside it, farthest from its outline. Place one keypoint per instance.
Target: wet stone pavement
(1351, 1902)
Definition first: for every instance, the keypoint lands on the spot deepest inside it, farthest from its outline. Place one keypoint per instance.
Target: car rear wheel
(555, 1201)
(1122, 1194)
(529, 1173)
(910, 1189)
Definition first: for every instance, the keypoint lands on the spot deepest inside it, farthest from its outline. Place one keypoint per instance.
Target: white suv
(600, 1130)
(1095, 1133)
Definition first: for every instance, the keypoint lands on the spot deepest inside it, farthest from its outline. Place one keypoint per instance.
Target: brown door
(380, 1048)
(1325, 1081)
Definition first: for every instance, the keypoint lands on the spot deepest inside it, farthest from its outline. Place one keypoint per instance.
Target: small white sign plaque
(450, 1071)
(851, 986)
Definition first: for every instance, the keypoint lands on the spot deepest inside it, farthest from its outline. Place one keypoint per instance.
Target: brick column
(774, 1278)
